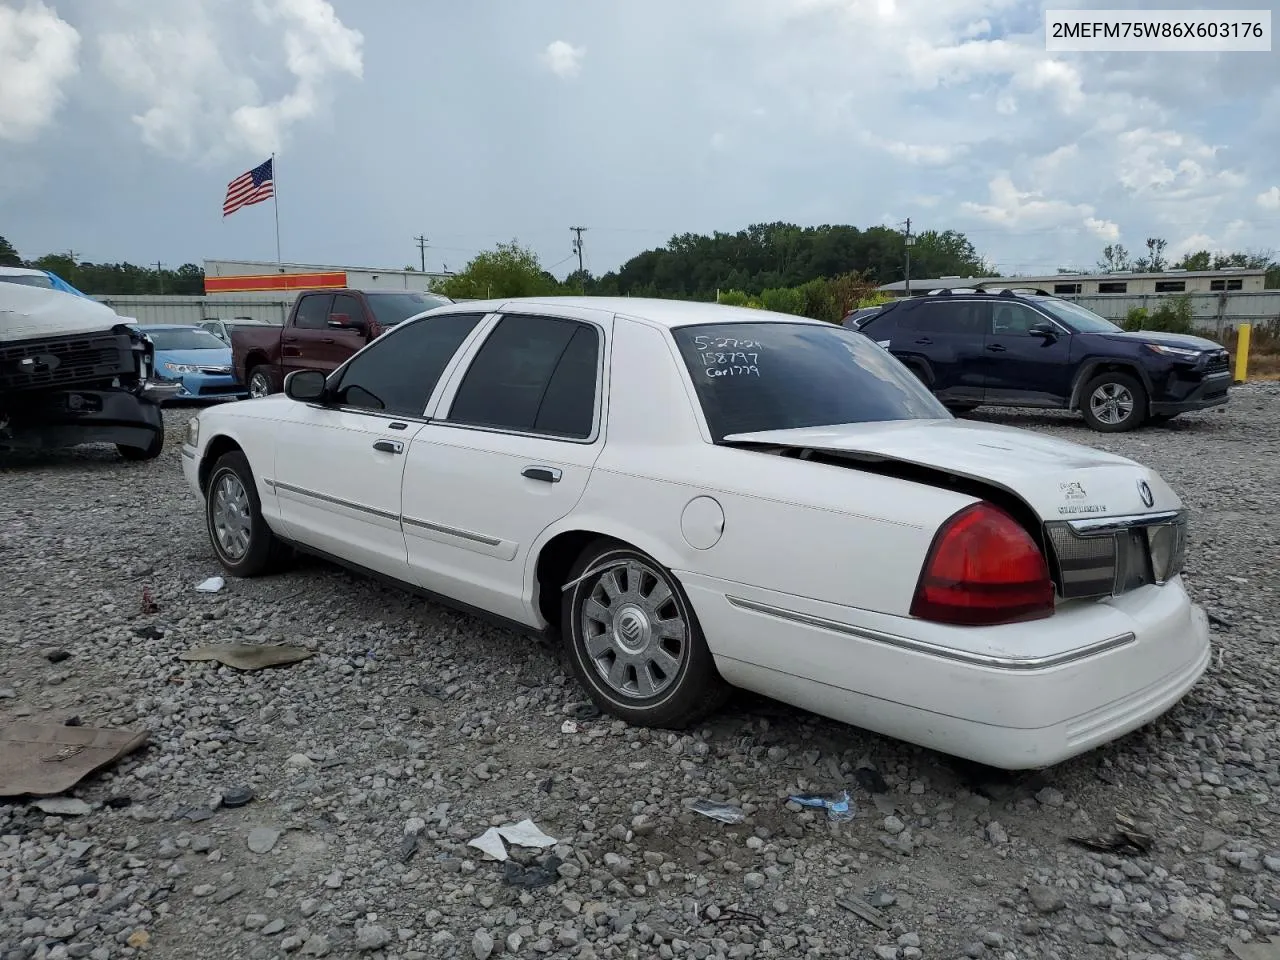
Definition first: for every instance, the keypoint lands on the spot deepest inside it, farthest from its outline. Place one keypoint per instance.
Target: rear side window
(966, 318)
(397, 372)
(313, 311)
(533, 375)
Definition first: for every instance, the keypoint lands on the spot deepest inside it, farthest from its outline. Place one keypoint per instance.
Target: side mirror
(342, 321)
(305, 386)
(1043, 329)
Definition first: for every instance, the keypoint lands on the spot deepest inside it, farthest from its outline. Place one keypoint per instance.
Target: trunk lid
(1058, 479)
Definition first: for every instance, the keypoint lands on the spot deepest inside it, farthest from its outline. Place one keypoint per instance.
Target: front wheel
(634, 641)
(259, 384)
(1114, 402)
(138, 454)
(244, 543)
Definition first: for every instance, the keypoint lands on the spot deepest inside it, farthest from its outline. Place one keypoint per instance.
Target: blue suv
(1016, 349)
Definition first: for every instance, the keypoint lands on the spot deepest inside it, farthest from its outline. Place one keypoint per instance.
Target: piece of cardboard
(45, 759)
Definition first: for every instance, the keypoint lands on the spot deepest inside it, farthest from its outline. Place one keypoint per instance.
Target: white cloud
(925, 155)
(38, 54)
(1022, 210)
(563, 59)
(198, 84)
(1269, 199)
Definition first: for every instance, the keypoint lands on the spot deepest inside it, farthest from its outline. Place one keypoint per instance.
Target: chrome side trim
(189, 452)
(336, 501)
(936, 650)
(1103, 525)
(452, 531)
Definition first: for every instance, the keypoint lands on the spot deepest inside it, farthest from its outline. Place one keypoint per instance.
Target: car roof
(668, 313)
(21, 272)
(170, 326)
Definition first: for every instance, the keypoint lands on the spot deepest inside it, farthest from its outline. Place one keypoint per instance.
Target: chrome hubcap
(232, 521)
(258, 386)
(1112, 403)
(634, 633)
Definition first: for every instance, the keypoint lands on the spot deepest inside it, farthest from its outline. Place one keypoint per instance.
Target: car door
(342, 342)
(509, 454)
(302, 342)
(340, 462)
(948, 335)
(1022, 368)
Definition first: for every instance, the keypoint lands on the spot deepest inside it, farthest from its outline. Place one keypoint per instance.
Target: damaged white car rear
(694, 497)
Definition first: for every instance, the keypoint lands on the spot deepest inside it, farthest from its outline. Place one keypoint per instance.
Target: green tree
(509, 270)
(1154, 261)
(1115, 259)
(8, 255)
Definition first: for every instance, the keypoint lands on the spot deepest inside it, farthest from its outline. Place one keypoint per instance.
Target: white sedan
(692, 497)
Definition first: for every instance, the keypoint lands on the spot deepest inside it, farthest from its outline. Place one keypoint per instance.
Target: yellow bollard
(1242, 352)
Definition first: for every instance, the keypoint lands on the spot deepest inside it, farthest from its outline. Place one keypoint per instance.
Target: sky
(474, 122)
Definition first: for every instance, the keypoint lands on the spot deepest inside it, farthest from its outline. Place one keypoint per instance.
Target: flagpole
(275, 202)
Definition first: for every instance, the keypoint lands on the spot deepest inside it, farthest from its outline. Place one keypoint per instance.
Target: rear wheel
(149, 452)
(1114, 402)
(634, 641)
(259, 384)
(244, 543)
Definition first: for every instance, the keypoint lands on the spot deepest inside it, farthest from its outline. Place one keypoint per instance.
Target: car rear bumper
(1024, 696)
(1213, 392)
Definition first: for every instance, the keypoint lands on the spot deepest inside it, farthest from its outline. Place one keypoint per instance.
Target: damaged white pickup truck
(74, 371)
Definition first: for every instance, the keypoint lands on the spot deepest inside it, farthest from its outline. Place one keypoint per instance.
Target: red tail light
(983, 568)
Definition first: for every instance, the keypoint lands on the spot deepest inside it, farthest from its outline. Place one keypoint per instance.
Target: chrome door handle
(389, 446)
(996, 348)
(545, 474)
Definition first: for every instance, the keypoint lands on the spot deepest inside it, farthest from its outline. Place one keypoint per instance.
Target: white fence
(273, 308)
(1211, 312)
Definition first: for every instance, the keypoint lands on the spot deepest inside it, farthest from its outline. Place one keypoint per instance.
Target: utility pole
(422, 250)
(160, 275)
(910, 242)
(577, 245)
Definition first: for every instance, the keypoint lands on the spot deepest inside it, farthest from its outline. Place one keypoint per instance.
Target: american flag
(252, 187)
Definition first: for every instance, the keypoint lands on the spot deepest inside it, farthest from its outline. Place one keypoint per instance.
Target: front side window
(781, 376)
(533, 375)
(28, 280)
(1013, 319)
(397, 372)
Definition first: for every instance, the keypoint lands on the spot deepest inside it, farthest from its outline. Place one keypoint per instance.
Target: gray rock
(317, 945)
(263, 839)
(482, 945)
(1046, 899)
(372, 937)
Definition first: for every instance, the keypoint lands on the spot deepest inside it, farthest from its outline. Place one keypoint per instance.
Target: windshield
(779, 376)
(29, 280)
(392, 308)
(1077, 317)
(185, 340)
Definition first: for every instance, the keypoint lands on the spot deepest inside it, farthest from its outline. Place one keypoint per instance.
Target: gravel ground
(413, 729)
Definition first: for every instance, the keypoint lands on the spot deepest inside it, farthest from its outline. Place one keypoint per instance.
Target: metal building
(238, 277)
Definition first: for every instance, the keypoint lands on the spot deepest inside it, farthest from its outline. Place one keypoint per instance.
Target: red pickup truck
(324, 328)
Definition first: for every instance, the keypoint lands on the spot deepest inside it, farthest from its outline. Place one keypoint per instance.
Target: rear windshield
(184, 340)
(393, 308)
(779, 376)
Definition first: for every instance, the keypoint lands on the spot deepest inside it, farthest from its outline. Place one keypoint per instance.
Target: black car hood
(1184, 340)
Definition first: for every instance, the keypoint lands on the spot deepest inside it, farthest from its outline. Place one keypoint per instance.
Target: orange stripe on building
(275, 281)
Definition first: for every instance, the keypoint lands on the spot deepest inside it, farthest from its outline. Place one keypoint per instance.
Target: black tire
(138, 454)
(265, 552)
(1120, 386)
(263, 375)
(959, 409)
(689, 693)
